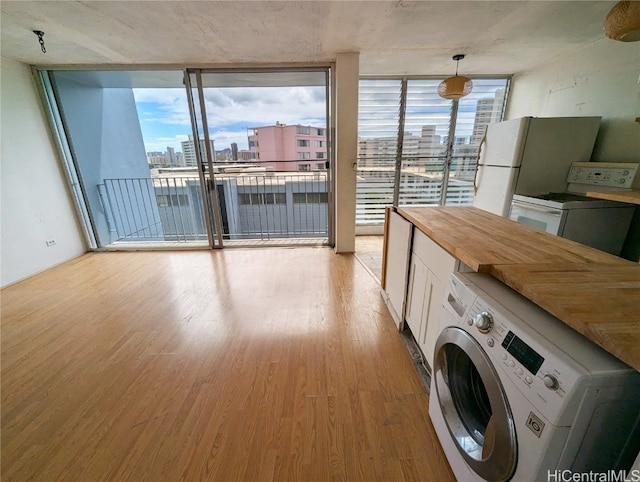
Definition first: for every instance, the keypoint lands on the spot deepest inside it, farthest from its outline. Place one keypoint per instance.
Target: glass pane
(426, 137)
(468, 392)
(426, 131)
(483, 106)
(125, 128)
(267, 129)
(378, 120)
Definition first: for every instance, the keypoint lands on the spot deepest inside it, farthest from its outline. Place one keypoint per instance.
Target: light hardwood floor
(240, 365)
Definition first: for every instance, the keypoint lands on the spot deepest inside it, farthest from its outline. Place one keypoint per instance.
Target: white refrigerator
(530, 155)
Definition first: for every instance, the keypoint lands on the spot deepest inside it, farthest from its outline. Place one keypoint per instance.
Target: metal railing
(253, 207)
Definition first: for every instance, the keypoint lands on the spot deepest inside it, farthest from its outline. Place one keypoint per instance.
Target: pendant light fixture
(456, 86)
(623, 22)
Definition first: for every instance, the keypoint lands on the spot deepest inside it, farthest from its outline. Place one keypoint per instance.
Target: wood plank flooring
(240, 365)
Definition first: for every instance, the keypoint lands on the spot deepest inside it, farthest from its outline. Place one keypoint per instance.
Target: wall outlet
(50, 242)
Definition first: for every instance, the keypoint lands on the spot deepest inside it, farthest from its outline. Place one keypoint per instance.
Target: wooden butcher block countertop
(627, 196)
(595, 293)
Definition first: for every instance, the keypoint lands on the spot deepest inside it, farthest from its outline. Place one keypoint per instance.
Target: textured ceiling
(498, 37)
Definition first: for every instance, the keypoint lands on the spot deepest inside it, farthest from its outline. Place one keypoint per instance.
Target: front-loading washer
(517, 394)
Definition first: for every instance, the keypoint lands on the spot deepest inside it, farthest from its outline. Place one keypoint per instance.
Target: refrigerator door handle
(475, 174)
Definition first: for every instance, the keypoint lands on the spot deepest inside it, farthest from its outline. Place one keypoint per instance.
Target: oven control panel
(621, 175)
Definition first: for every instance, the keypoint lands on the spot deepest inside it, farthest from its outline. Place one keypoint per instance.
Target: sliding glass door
(264, 151)
(199, 158)
(125, 131)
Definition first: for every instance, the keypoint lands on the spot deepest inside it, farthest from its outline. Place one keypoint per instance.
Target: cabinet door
(430, 328)
(439, 266)
(415, 295)
(437, 260)
(397, 265)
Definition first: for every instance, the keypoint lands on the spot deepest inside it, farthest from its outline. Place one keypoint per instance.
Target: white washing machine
(517, 394)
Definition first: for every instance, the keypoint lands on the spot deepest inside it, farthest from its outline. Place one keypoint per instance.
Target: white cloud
(230, 111)
(171, 105)
(160, 144)
(264, 106)
(248, 106)
(222, 139)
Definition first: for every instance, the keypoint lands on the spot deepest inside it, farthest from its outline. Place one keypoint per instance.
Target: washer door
(474, 405)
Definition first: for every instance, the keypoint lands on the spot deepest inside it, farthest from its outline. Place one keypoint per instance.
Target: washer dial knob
(550, 382)
(483, 322)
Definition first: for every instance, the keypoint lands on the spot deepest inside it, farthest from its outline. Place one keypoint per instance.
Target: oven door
(540, 217)
(474, 406)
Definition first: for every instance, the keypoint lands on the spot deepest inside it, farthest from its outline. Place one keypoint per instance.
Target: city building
(254, 205)
(290, 147)
(157, 159)
(189, 151)
(487, 113)
(171, 157)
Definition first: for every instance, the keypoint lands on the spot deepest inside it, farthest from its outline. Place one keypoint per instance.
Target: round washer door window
(474, 406)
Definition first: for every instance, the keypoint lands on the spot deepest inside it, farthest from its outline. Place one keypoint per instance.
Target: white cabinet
(398, 248)
(418, 278)
(429, 272)
(416, 273)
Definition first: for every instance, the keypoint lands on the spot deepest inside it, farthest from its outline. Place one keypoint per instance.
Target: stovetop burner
(563, 197)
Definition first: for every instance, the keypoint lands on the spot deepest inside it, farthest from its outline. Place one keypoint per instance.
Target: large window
(310, 197)
(302, 130)
(166, 156)
(262, 198)
(439, 141)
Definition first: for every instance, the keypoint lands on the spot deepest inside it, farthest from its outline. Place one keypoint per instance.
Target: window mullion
(398, 165)
(447, 164)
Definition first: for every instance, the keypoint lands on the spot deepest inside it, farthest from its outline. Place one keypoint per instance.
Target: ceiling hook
(40, 34)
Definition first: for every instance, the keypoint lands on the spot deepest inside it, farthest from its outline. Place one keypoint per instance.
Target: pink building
(290, 147)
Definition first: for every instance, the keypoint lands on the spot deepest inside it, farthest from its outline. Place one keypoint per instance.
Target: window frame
(384, 150)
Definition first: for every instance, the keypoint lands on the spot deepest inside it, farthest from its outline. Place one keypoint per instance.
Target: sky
(165, 119)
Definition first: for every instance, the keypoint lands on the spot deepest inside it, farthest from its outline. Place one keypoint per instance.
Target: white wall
(346, 144)
(601, 78)
(35, 203)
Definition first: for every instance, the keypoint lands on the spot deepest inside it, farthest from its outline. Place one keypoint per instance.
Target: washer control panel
(607, 174)
(535, 371)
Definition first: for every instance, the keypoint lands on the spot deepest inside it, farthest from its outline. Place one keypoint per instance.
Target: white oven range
(598, 223)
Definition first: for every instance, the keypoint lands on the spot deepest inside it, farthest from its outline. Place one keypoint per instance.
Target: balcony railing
(266, 206)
